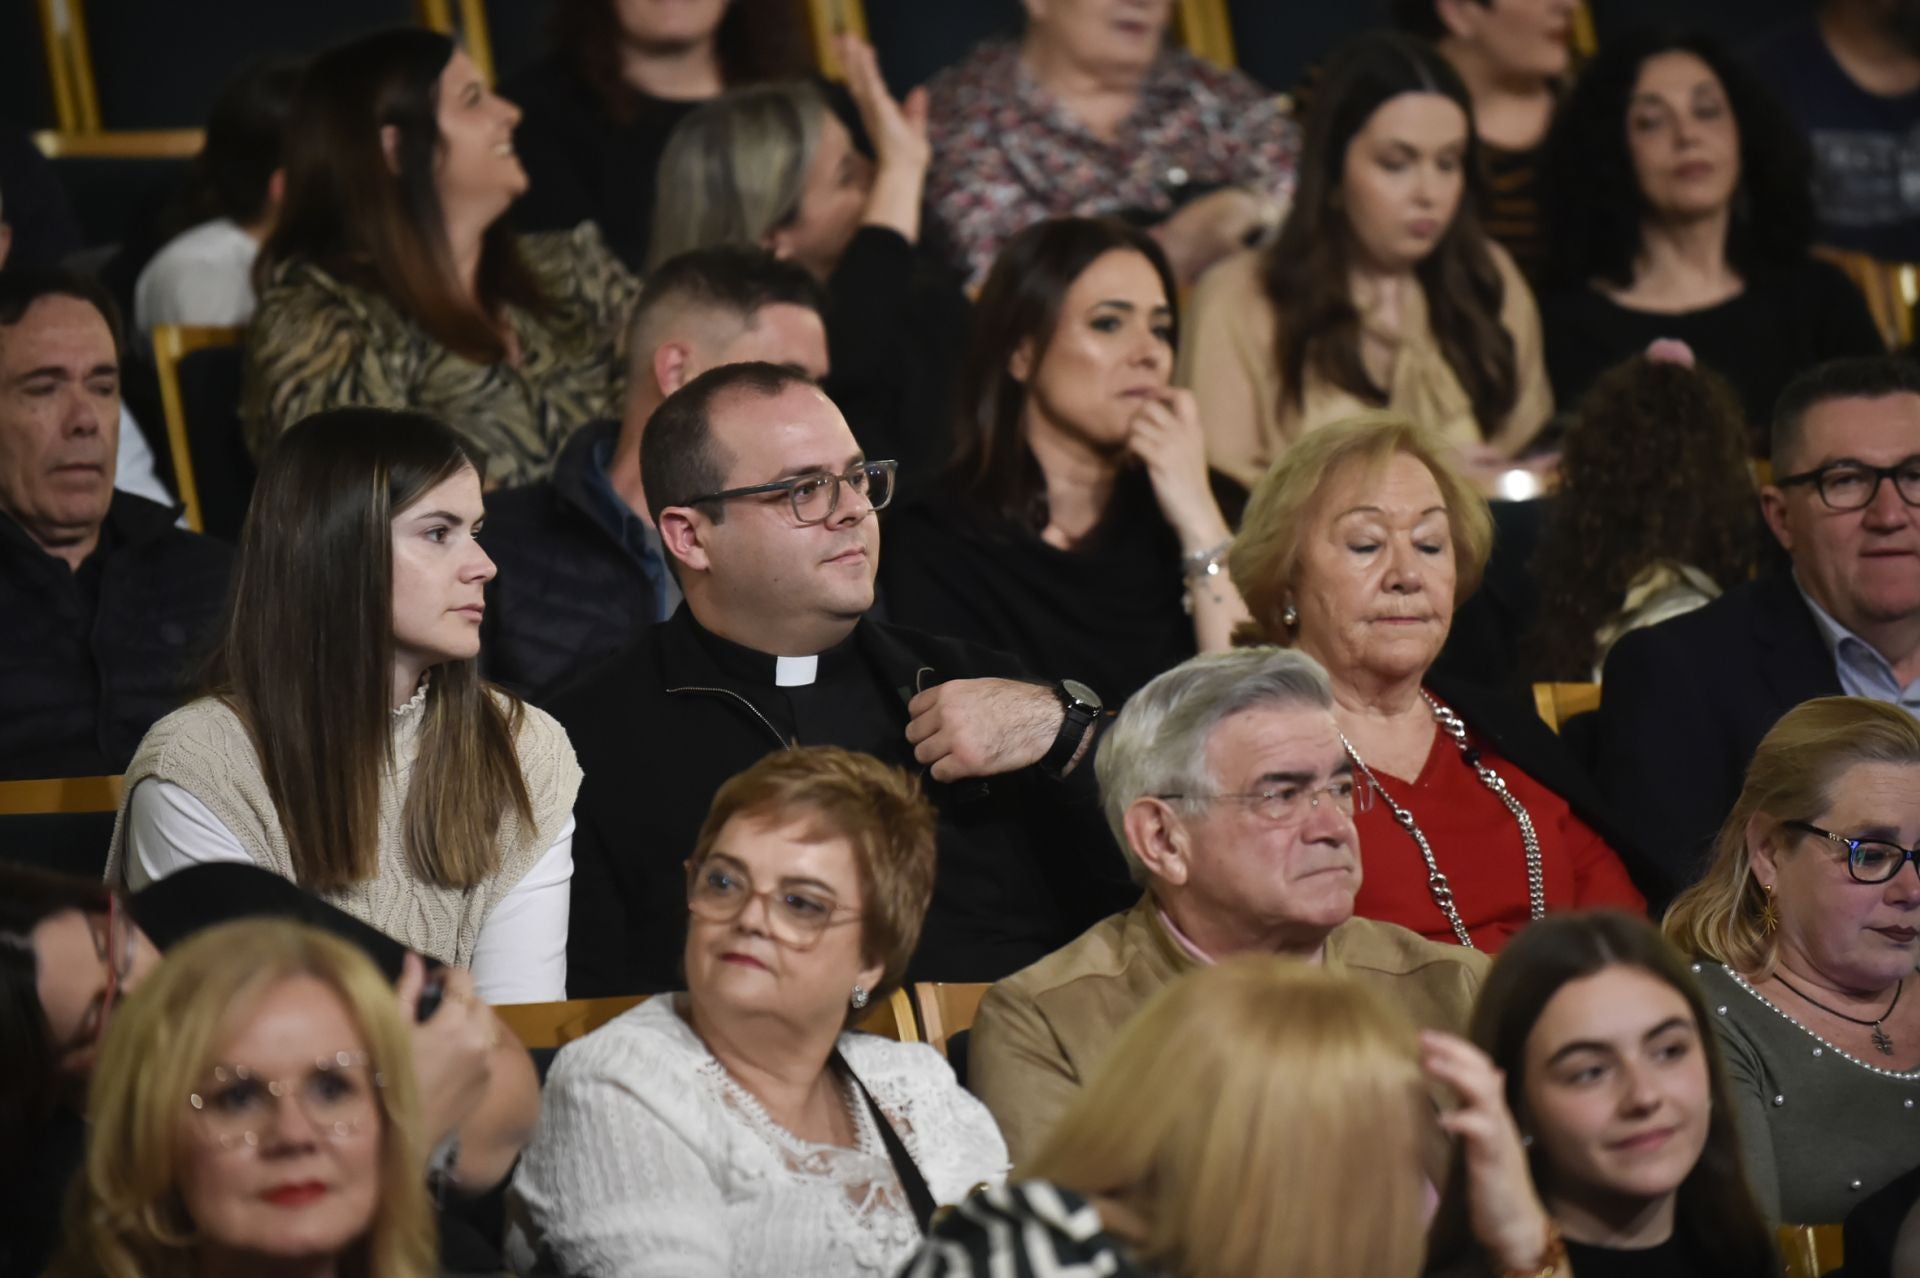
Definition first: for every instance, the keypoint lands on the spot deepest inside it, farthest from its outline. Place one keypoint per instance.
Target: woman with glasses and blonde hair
(254, 1112)
(740, 1127)
(1259, 1118)
(1807, 925)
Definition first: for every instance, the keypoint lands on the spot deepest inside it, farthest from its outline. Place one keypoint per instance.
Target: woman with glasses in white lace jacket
(742, 1127)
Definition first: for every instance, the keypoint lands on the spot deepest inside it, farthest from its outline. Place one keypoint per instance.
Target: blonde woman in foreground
(1261, 1118)
(254, 1112)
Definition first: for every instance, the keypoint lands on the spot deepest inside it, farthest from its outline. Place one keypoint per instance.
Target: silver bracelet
(1205, 563)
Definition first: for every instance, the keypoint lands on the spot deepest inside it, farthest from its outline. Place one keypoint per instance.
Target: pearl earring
(1289, 616)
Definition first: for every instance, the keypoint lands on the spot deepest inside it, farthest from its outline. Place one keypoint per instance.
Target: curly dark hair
(1594, 202)
(1654, 468)
(1308, 273)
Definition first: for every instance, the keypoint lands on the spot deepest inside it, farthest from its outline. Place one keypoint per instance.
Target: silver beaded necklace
(1436, 881)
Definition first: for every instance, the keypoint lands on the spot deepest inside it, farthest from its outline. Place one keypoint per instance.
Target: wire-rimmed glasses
(1289, 804)
(799, 910)
(339, 1095)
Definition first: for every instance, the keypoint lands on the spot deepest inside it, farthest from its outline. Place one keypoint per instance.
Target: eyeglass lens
(1847, 486)
(720, 894)
(1871, 861)
(238, 1108)
(817, 497)
(1289, 804)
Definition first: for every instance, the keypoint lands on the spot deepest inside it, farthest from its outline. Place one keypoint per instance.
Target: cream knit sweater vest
(204, 749)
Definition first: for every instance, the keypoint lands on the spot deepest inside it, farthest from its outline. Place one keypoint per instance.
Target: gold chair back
(1807, 1251)
(1558, 702)
(61, 795)
(947, 1008)
(1891, 290)
(557, 1024)
(171, 344)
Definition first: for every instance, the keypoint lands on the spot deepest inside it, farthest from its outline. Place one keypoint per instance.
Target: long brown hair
(381, 226)
(1715, 1216)
(1020, 304)
(1308, 272)
(1669, 444)
(758, 40)
(306, 659)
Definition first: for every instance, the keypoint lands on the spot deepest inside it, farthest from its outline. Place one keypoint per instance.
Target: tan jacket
(1228, 358)
(1040, 1031)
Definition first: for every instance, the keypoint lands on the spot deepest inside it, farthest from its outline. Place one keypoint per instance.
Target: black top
(897, 323)
(90, 659)
(582, 165)
(580, 573)
(1516, 195)
(1025, 862)
(1784, 322)
(1668, 1260)
(1866, 164)
(1108, 613)
(1686, 703)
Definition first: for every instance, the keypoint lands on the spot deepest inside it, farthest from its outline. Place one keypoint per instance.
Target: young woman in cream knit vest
(347, 741)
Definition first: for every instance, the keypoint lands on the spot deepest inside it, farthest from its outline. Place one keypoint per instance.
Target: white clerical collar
(795, 672)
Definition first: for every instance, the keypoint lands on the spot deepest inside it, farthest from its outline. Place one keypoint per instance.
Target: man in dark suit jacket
(103, 602)
(1687, 701)
(765, 507)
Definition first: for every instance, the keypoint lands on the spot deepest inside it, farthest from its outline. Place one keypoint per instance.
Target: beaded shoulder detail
(1907, 1076)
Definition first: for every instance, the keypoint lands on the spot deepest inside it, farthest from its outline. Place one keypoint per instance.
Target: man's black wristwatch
(1083, 707)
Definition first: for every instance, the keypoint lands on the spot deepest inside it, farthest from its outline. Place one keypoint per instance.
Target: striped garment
(1034, 1229)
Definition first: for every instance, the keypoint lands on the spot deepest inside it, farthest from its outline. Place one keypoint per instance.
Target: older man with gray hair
(1226, 785)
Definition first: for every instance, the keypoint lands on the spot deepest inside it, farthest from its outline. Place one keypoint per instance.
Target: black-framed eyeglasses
(1290, 804)
(1852, 485)
(816, 497)
(1868, 860)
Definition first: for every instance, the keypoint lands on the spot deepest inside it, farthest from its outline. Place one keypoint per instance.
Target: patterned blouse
(1006, 154)
(318, 342)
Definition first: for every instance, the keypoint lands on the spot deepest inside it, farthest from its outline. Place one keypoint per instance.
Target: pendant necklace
(1881, 1039)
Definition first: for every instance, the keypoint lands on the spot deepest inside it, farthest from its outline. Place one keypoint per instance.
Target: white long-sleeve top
(521, 956)
(651, 1161)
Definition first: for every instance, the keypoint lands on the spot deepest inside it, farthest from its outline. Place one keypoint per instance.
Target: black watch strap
(1083, 707)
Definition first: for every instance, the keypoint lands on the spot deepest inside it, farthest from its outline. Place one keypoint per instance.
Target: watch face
(1081, 693)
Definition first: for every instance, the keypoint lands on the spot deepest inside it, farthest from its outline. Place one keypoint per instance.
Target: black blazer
(1685, 704)
(1513, 728)
(1025, 862)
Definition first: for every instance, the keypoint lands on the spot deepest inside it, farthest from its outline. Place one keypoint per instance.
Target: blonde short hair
(124, 1214)
(1260, 1116)
(1791, 778)
(877, 809)
(1265, 556)
(733, 170)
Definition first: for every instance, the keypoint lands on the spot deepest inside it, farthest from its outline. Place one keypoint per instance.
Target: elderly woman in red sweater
(1356, 548)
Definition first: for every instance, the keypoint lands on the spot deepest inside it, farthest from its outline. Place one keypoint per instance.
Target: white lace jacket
(650, 1160)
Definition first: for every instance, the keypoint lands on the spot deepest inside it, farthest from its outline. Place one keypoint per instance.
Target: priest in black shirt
(765, 507)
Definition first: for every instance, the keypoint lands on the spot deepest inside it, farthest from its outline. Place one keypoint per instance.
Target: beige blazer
(1042, 1030)
(1227, 344)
